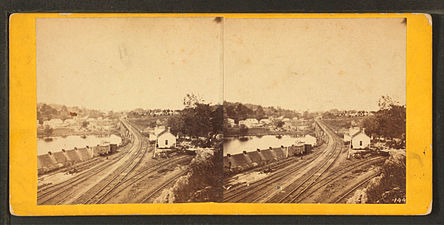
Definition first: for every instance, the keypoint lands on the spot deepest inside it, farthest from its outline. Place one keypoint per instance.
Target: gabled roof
(357, 133)
(163, 132)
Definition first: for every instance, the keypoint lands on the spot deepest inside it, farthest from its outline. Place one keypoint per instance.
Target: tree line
(389, 121)
(239, 111)
(197, 119)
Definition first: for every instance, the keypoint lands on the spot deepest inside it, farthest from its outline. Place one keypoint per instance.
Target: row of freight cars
(246, 160)
(56, 160)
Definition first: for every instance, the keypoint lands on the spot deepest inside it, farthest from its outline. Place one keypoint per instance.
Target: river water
(235, 146)
(69, 142)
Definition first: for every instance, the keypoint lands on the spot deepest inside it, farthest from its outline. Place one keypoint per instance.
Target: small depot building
(166, 139)
(360, 140)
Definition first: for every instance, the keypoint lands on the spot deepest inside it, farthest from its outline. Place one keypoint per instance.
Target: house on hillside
(359, 140)
(166, 139)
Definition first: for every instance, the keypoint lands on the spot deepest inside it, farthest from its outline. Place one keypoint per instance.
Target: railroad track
(124, 184)
(309, 179)
(253, 191)
(49, 193)
(162, 186)
(338, 174)
(241, 192)
(340, 198)
(42, 191)
(101, 189)
(114, 179)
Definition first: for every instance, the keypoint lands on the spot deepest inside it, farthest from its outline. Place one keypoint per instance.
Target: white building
(250, 122)
(158, 130)
(353, 130)
(310, 140)
(69, 122)
(231, 122)
(53, 123)
(166, 139)
(360, 140)
(265, 122)
(289, 125)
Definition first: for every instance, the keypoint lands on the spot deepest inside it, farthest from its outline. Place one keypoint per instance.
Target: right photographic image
(314, 110)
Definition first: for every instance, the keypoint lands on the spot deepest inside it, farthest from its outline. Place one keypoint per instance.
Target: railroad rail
(163, 186)
(340, 198)
(240, 194)
(130, 180)
(338, 174)
(47, 194)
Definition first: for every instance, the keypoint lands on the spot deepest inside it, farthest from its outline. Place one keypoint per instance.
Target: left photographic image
(129, 110)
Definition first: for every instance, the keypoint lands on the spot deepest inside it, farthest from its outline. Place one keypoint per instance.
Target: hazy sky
(315, 64)
(126, 63)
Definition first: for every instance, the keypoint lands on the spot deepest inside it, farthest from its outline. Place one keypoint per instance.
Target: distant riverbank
(259, 131)
(65, 131)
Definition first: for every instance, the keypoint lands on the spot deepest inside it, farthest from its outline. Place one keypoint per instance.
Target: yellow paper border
(23, 160)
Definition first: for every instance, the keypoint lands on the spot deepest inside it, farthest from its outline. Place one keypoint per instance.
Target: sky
(127, 63)
(302, 64)
(315, 64)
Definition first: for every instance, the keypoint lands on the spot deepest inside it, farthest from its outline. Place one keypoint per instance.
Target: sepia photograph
(212, 109)
(129, 110)
(220, 114)
(315, 110)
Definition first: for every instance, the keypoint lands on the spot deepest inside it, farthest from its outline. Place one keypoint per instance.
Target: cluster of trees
(197, 119)
(389, 121)
(239, 111)
(47, 112)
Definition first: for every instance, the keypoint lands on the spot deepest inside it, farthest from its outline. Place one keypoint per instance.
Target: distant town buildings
(231, 122)
(250, 122)
(265, 122)
(53, 123)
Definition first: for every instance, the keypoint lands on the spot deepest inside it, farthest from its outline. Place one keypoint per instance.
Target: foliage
(47, 112)
(85, 124)
(48, 130)
(239, 111)
(280, 124)
(389, 121)
(243, 129)
(391, 184)
(206, 181)
(197, 119)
